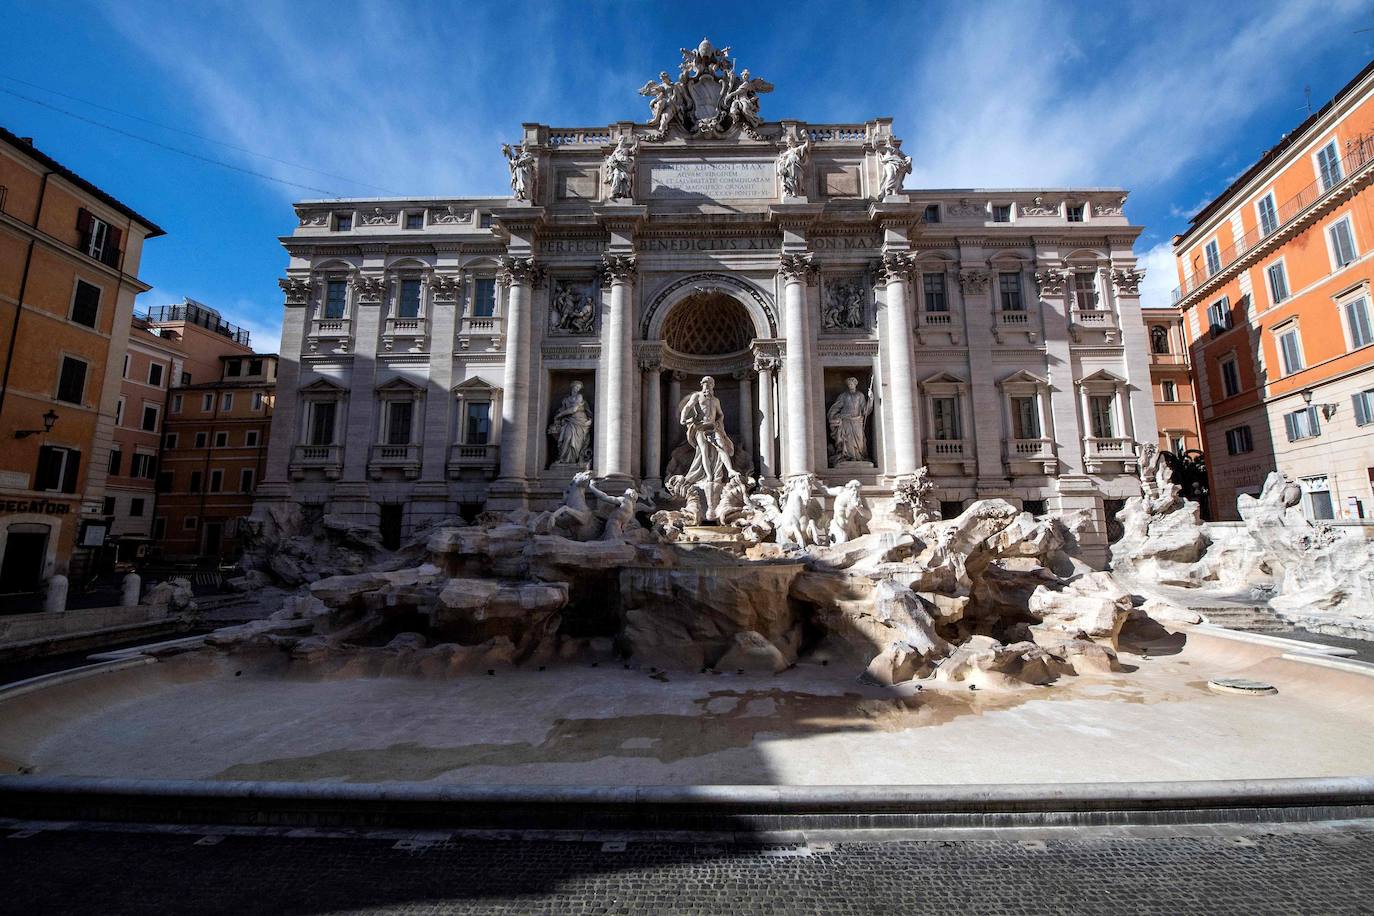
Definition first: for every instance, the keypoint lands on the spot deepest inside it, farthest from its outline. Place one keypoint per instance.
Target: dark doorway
(212, 537)
(22, 568)
(390, 525)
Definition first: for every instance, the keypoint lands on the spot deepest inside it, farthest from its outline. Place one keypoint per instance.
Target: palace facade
(430, 345)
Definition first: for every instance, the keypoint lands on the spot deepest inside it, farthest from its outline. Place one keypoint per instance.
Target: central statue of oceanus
(704, 421)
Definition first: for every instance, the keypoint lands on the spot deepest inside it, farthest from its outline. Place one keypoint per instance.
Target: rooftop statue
(707, 98)
(790, 165)
(521, 163)
(621, 167)
(895, 165)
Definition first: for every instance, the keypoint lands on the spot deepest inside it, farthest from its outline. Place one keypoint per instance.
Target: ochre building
(69, 256)
(214, 454)
(171, 346)
(1275, 293)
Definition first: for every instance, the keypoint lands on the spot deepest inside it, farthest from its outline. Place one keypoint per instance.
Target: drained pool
(204, 715)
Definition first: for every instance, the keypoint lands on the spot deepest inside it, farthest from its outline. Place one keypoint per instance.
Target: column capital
(1126, 280)
(618, 268)
(974, 280)
(297, 289)
(370, 288)
(521, 270)
(1051, 280)
(800, 268)
(895, 265)
(446, 287)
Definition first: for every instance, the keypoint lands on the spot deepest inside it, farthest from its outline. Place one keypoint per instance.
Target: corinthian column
(895, 271)
(798, 271)
(616, 458)
(522, 275)
(768, 462)
(653, 417)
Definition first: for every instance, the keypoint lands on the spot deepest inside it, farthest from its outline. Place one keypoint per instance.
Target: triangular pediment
(400, 384)
(1103, 376)
(1024, 377)
(943, 378)
(322, 386)
(474, 384)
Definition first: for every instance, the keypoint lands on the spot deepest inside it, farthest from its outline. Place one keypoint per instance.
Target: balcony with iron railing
(1357, 156)
(193, 312)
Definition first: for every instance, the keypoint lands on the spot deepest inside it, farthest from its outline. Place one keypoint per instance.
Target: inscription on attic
(714, 180)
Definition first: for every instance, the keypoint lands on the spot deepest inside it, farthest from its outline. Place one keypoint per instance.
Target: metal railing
(1357, 155)
(193, 312)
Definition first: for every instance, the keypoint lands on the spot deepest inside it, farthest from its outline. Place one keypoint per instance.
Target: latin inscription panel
(712, 181)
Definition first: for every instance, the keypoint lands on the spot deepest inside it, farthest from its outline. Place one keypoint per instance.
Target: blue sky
(1171, 100)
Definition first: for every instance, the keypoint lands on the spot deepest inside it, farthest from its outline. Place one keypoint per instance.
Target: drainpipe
(23, 288)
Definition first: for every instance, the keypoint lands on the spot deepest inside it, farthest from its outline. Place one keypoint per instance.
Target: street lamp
(49, 419)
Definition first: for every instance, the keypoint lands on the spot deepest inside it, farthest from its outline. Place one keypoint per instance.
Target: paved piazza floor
(1246, 871)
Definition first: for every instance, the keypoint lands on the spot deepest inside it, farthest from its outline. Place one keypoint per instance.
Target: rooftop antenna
(1307, 94)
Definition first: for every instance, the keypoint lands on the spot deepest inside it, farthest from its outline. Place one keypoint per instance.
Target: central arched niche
(708, 332)
(708, 323)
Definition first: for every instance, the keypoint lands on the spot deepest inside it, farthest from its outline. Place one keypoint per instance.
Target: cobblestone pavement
(74, 869)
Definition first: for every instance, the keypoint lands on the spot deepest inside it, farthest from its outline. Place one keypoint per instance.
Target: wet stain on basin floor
(727, 720)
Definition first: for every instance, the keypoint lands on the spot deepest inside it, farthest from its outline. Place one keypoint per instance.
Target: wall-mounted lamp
(1328, 410)
(49, 419)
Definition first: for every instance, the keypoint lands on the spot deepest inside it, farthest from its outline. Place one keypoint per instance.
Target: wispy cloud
(1015, 95)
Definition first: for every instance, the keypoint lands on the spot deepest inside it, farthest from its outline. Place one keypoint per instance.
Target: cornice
(1279, 237)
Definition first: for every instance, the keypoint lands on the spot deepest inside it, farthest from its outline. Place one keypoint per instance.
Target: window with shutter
(49, 473)
(336, 292)
(86, 305)
(70, 468)
(71, 384)
(1278, 283)
(1357, 320)
(1268, 216)
(1329, 165)
(1290, 351)
(1342, 242)
(1364, 407)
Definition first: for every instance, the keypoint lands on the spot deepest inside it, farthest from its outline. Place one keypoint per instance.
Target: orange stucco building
(69, 258)
(1275, 292)
(214, 453)
(170, 347)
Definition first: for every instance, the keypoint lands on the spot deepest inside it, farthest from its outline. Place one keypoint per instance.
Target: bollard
(56, 599)
(133, 589)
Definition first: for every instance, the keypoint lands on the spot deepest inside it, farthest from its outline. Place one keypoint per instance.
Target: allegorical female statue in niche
(572, 424)
(848, 420)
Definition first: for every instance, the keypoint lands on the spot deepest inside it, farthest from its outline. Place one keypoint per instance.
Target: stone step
(1245, 618)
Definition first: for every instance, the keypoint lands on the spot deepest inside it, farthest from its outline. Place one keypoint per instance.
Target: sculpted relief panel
(572, 308)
